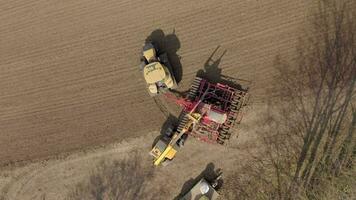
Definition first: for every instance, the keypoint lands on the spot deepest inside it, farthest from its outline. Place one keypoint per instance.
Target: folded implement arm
(192, 119)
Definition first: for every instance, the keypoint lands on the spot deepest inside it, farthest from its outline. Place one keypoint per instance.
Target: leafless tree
(116, 180)
(320, 88)
(308, 131)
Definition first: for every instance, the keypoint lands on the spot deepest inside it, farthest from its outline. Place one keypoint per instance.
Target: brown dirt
(54, 179)
(68, 69)
(69, 81)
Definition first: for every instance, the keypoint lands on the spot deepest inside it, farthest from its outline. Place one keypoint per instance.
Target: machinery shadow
(209, 173)
(170, 122)
(213, 73)
(169, 44)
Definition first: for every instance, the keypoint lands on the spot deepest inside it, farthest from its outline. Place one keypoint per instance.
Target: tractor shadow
(209, 174)
(169, 44)
(213, 73)
(170, 122)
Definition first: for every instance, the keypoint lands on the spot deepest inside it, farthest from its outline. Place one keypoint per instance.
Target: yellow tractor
(157, 70)
(166, 148)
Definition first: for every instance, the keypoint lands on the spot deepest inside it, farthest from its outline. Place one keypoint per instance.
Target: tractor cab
(157, 76)
(156, 70)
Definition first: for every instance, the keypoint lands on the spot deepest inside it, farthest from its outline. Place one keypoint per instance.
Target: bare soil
(55, 178)
(69, 79)
(69, 70)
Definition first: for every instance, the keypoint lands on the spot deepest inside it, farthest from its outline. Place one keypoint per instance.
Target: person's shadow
(213, 73)
(169, 44)
(209, 174)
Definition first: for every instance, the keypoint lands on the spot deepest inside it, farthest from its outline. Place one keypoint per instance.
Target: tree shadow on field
(116, 179)
(209, 174)
(213, 73)
(169, 44)
(306, 133)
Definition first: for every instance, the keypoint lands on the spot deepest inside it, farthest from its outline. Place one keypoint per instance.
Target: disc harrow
(219, 105)
(193, 91)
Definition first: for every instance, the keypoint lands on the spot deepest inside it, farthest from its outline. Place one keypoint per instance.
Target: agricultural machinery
(209, 111)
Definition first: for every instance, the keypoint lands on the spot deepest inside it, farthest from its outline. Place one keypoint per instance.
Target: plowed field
(69, 76)
(69, 81)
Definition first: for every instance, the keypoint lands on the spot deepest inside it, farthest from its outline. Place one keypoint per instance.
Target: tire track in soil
(162, 107)
(65, 67)
(16, 186)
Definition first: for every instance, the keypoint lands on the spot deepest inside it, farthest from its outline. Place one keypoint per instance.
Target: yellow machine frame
(170, 152)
